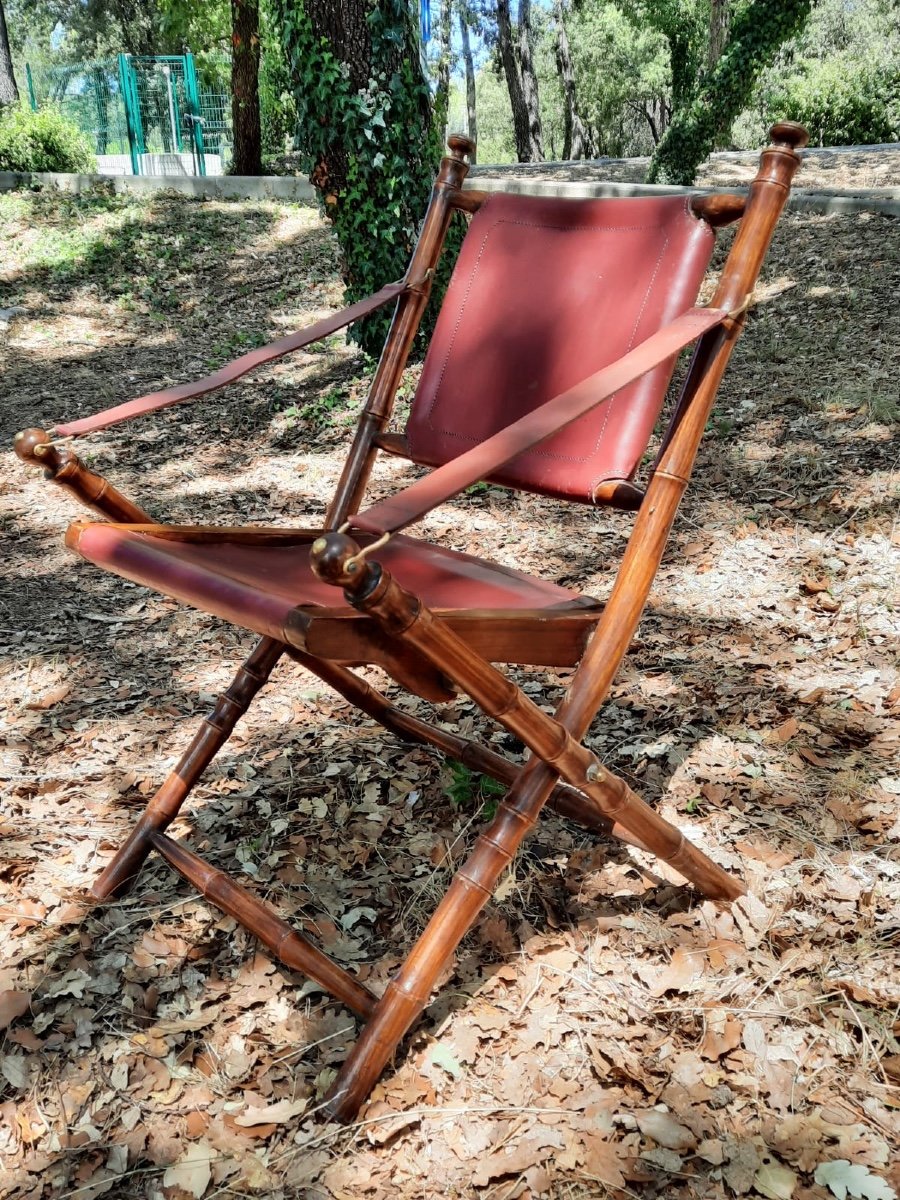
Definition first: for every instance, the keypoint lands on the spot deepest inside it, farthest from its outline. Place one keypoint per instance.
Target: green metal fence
(215, 112)
(90, 95)
(144, 115)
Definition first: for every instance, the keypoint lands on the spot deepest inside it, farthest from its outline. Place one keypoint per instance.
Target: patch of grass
(317, 414)
(149, 250)
(720, 428)
(883, 408)
(469, 790)
(866, 396)
(236, 343)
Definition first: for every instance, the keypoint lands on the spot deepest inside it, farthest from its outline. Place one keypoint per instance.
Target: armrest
(233, 370)
(396, 512)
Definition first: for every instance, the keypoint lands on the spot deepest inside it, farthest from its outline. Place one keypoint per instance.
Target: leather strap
(402, 509)
(233, 370)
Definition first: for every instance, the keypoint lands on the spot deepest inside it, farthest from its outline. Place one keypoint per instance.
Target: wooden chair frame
(435, 653)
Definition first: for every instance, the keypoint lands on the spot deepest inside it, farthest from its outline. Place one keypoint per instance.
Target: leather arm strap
(396, 512)
(234, 370)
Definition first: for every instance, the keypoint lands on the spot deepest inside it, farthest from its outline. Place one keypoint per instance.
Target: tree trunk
(574, 139)
(372, 163)
(471, 114)
(719, 17)
(684, 68)
(757, 33)
(647, 109)
(442, 89)
(530, 83)
(9, 93)
(245, 88)
(521, 124)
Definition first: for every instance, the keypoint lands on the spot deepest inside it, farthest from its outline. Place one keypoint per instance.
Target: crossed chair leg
(587, 793)
(371, 589)
(215, 730)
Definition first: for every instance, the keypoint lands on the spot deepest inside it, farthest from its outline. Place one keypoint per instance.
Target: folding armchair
(547, 372)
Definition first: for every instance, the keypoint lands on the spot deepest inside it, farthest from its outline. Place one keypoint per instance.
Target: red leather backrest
(544, 293)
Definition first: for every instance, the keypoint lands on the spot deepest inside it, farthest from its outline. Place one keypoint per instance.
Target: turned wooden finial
(28, 445)
(789, 134)
(337, 559)
(460, 146)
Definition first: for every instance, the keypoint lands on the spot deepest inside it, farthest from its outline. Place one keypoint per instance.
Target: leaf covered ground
(600, 1032)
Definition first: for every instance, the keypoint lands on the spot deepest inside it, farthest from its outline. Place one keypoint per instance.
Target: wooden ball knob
(789, 133)
(333, 558)
(27, 443)
(460, 145)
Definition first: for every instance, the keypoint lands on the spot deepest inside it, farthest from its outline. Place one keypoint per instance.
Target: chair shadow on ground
(549, 908)
(552, 907)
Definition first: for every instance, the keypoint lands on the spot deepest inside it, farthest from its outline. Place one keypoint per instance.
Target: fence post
(131, 124)
(192, 95)
(32, 99)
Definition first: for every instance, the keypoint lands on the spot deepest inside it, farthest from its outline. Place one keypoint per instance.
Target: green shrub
(843, 102)
(42, 141)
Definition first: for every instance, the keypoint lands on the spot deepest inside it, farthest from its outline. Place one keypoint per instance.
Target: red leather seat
(257, 586)
(546, 292)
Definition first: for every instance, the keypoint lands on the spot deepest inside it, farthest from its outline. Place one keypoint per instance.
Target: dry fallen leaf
(852, 1179)
(601, 1160)
(665, 1130)
(775, 1181)
(272, 1114)
(12, 1005)
(683, 970)
(512, 1160)
(54, 696)
(722, 1034)
(192, 1171)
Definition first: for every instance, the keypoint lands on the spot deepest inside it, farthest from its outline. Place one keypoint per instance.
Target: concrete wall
(235, 187)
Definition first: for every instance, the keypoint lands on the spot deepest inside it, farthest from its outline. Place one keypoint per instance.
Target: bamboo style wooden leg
(409, 992)
(209, 739)
(373, 590)
(291, 947)
(564, 800)
(370, 588)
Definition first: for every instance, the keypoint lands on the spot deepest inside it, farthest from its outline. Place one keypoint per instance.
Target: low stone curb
(880, 200)
(231, 187)
(294, 188)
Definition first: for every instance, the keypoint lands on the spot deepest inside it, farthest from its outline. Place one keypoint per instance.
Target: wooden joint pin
(742, 307)
(595, 773)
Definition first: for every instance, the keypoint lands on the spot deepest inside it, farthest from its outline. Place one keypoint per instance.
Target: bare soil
(600, 1032)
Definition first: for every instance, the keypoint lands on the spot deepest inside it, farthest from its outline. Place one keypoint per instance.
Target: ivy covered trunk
(366, 132)
(719, 17)
(471, 112)
(757, 32)
(9, 93)
(245, 87)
